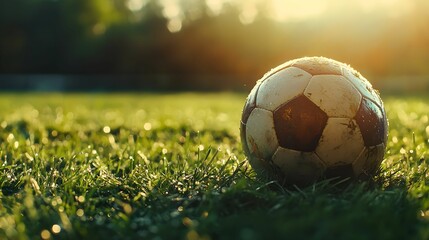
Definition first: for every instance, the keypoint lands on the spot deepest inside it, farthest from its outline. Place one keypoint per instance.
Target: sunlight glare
(136, 5)
(292, 10)
(394, 8)
(248, 13)
(174, 25)
(280, 10)
(171, 9)
(215, 6)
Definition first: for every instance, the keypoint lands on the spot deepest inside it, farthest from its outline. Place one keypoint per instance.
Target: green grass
(153, 166)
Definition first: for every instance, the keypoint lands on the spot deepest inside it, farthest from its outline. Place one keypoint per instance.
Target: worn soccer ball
(314, 118)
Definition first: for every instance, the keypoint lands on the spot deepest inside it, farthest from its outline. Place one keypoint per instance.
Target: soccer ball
(314, 118)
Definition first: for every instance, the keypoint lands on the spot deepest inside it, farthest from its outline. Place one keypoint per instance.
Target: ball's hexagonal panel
(299, 124)
(340, 171)
(318, 65)
(301, 168)
(334, 95)
(341, 142)
(281, 87)
(260, 134)
(277, 69)
(312, 65)
(361, 84)
(371, 122)
(250, 103)
(368, 162)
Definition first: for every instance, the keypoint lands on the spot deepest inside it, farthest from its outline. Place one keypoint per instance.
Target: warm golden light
(284, 10)
(233, 40)
(291, 10)
(248, 13)
(135, 5)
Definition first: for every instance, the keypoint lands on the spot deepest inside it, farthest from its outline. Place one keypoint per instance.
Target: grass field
(170, 166)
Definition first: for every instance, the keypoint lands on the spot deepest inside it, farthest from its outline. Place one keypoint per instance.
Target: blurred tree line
(106, 37)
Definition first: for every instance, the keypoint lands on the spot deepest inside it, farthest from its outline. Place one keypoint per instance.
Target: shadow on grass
(249, 208)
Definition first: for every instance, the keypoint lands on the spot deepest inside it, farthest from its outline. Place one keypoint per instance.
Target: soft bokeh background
(206, 44)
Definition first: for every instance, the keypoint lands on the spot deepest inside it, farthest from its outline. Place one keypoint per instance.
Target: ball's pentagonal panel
(318, 65)
(260, 134)
(385, 120)
(368, 162)
(341, 142)
(341, 171)
(281, 87)
(300, 168)
(361, 84)
(371, 122)
(334, 95)
(250, 103)
(299, 124)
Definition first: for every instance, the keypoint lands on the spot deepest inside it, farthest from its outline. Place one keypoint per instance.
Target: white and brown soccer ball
(314, 118)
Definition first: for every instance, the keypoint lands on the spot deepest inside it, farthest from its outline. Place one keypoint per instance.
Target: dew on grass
(45, 234)
(10, 137)
(112, 140)
(147, 126)
(187, 221)
(79, 212)
(127, 208)
(29, 157)
(81, 199)
(106, 129)
(58, 200)
(56, 228)
(54, 133)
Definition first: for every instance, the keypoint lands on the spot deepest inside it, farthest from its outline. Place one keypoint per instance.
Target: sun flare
(291, 10)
